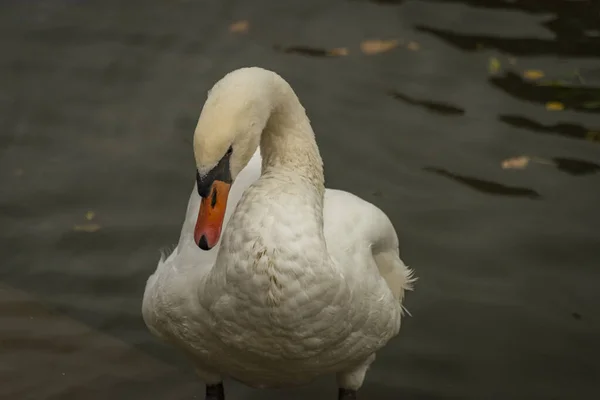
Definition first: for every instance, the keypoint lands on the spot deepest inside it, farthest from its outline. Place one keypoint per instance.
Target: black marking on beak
(213, 201)
(203, 243)
(220, 172)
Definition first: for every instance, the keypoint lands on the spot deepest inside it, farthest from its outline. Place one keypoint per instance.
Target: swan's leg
(351, 380)
(346, 394)
(215, 392)
(214, 383)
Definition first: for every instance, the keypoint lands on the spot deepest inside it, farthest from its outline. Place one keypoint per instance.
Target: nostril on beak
(203, 243)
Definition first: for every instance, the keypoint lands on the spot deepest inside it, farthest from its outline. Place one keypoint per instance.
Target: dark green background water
(98, 103)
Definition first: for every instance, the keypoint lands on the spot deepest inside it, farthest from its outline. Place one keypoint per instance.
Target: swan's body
(304, 281)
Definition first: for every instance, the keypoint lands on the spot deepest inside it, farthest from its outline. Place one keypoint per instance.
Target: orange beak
(210, 217)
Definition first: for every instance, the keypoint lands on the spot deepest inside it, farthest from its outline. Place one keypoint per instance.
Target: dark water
(98, 103)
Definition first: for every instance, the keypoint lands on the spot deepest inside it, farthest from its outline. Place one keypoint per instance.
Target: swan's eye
(229, 151)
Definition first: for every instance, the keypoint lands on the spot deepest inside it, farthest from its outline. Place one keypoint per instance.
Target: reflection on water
(575, 167)
(308, 51)
(565, 129)
(516, 46)
(571, 19)
(436, 107)
(485, 186)
(580, 98)
(384, 2)
(575, 25)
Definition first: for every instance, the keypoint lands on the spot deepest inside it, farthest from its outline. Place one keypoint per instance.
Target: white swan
(303, 282)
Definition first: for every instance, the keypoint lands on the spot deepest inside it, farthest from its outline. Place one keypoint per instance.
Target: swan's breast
(281, 304)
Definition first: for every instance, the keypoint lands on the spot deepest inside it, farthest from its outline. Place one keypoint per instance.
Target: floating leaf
(533, 74)
(494, 65)
(414, 46)
(90, 228)
(338, 51)
(555, 106)
(378, 46)
(90, 215)
(239, 27)
(516, 162)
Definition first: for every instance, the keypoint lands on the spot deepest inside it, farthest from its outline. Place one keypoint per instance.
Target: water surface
(99, 101)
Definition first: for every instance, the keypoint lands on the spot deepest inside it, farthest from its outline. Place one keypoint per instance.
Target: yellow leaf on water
(555, 106)
(90, 215)
(239, 27)
(414, 46)
(494, 65)
(90, 228)
(516, 162)
(378, 46)
(533, 74)
(338, 51)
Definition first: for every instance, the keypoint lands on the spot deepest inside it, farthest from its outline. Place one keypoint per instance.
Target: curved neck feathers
(288, 142)
(284, 208)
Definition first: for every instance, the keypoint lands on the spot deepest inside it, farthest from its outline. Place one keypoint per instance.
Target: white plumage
(304, 281)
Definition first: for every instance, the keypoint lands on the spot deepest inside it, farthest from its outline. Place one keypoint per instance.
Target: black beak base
(220, 172)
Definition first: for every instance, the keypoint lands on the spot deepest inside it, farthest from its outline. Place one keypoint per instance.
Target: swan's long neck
(288, 142)
(282, 213)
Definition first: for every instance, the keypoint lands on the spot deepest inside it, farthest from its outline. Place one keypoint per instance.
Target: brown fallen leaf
(533, 74)
(90, 228)
(414, 46)
(239, 27)
(519, 162)
(378, 46)
(338, 51)
(555, 106)
(90, 215)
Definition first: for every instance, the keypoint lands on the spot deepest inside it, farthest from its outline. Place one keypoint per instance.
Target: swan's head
(227, 135)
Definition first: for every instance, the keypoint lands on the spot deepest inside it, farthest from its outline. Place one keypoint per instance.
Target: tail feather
(397, 275)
